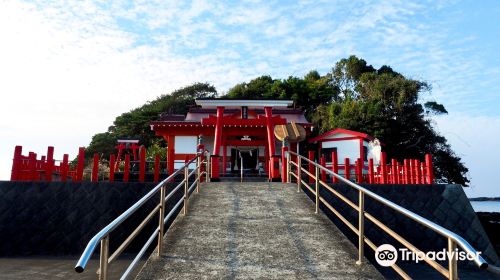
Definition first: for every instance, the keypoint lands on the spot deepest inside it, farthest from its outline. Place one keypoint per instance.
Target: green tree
(136, 123)
(385, 104)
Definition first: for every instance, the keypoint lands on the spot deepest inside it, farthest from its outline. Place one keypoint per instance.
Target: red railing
(45, 168)
(410, 171)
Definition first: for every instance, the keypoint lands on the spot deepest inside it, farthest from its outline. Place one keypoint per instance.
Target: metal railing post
(186, 186)
(452, 261)
(103, 260)
(317, 188)
(361, 228)
(161, 216)
(241, 168)
(198, 173)
(207, 178)
(288, 168)
(299, 172)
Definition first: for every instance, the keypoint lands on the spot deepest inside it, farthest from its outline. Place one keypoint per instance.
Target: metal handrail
(103, 235)
(453, 238)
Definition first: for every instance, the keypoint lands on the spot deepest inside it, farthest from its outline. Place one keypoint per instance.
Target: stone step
(255, 230)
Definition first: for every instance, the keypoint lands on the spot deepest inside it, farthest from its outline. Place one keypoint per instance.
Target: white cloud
(68, 68)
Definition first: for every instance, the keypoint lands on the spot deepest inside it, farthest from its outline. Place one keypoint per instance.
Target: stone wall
(446, 205)
(40, 218)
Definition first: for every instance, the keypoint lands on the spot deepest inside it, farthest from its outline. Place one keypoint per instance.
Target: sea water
(486, 206)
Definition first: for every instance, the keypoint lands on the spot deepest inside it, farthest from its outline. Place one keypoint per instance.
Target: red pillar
(371, 175)
(396, 169)
(80, 164)
(271, 143)
(383, 168)
(120, 148)
(322, 162)
(49, 167)
(359, 171)
(416, 163)
(284, 164)
(411, 171)
(394, 172)
(95, 168)
(157, 169)
(32, 167)
(16, 163)
(430, 171)
(134, 150)
(335, 165)
(126, 168)
(64, 168)
(171, 154)
(217, 143)
(224, 159)
(347, 169)
(112, 168)
(311, 166)
(142, 163)
(406, 171)
(424, 173)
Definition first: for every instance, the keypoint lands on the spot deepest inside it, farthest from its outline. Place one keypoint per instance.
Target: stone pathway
(255, 231)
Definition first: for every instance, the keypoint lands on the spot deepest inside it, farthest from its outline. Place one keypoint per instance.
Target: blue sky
(68, 68)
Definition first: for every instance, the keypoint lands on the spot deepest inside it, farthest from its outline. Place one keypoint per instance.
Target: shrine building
(237, 133)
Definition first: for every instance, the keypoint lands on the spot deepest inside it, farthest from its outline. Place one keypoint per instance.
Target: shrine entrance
(249, 158)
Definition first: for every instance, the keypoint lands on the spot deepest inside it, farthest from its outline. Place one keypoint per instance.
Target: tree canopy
(136, 123)
(353, 95)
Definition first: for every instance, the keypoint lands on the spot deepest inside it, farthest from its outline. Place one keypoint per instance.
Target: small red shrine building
(227, 126)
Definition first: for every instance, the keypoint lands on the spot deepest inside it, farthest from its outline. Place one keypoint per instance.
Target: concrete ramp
(255, 230)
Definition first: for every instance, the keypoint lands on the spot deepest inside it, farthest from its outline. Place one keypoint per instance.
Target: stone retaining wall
(40, 218)
(446, 205)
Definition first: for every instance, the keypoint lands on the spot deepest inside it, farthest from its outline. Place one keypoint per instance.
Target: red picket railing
(45, 168)
(411, 171)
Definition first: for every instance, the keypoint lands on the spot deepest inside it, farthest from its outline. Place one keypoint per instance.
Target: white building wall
(185, 145)
(345, 149)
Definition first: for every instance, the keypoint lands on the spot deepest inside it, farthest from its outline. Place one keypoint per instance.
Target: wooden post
(49, 166)
(16, 163)
(424, 173)
(284, 164)
(142, 163)
(157, 169)
(224, 159)
(393, 171)
(311, 166)
(64, 168)
(396, 169)
(347, 169)
(112, 168)
(383, 168)
(411, 171)
(430, 171)
(126, 168)
(95, 168)
(406, 179)
(80, 164)
(417, 171)
(322, 162)
(171, 154)
(359, 167)
(371, 175)
(32, 167)
(335, 165)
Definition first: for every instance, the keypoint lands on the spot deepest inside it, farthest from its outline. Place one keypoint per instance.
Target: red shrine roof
(207, 108)
(331, 133)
